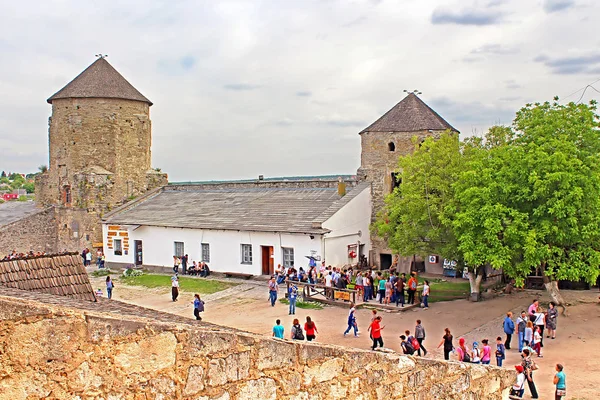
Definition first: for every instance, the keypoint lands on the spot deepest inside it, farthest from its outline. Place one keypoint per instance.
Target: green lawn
(201, 286)
(306, 305)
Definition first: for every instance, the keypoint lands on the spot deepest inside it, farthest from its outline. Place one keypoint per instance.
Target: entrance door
(139, 260)
(267, 260)
(385, 261)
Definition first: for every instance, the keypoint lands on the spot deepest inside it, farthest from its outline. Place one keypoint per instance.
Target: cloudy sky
(282, 88)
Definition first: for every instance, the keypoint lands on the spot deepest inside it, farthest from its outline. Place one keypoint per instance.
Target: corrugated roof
(409, 115)
(274, 209)
(61, 275)
(12, 211)
(99, 80)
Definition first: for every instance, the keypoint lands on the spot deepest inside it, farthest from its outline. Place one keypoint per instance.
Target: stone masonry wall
(37, 232)
(54, 352)
(377, 163)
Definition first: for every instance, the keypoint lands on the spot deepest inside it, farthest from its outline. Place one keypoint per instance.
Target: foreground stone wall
(55, 352)
(37, 232)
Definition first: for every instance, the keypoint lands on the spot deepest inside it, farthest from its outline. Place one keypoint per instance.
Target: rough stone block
(195, 380)
(276, 354)
(264, 389)
(322, 372)
(149, 354)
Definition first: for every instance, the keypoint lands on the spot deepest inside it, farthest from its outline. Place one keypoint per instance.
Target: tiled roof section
(410, 115)
(99, 80)
(261, 209)
(62, 275)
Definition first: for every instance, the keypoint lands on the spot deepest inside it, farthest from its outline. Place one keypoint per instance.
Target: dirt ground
(577, 345)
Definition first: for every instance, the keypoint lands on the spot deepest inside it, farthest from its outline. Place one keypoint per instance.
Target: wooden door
(267, 260)
(139, 259)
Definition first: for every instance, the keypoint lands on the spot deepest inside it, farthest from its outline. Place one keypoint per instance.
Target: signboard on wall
(342, 295)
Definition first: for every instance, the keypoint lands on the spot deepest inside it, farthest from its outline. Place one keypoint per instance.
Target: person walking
(400, 282)
(509, 329)
(292, 296)
(109, 287)
(273, 288)
(529, 366)
(198, 307)
(412, 288)
(278, 330)
(296, 333)
(175, 287)
(352, 321)
(560, 380)
(521, 324)
(420, 336)
(551, 318)
(447, 343)
(426, 290)
(376, 329)
(486, 354)
(381, 287)
(500, 351)
(311, 329)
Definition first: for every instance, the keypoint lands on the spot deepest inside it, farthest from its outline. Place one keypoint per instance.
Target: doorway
(267, 260)
(137, 245)
(385, 261)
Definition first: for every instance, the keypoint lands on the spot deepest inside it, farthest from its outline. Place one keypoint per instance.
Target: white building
(243, 227)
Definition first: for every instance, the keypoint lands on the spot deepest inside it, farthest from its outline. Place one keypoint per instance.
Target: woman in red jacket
(310, 329)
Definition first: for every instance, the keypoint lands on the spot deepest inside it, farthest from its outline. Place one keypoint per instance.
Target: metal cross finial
(416, 92)
(101, 55)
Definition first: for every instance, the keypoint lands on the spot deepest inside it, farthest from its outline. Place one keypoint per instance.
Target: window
(205, 252)
(179, 249)
(391, 146)
(288, 256)
(246, 254)
(118, 247)
(66, 195)
(396, 181)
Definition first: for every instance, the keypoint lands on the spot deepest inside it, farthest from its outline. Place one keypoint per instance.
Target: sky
(283, 88)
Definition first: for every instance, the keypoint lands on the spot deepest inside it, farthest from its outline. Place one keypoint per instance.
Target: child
(407, 347)
(198, 307)
(537, 341)
(500, 351)
(527, 339)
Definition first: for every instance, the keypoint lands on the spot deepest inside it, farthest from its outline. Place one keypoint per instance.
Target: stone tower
(388, 138)
(99, 139)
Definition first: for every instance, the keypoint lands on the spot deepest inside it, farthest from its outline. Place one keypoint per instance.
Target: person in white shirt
(518, 389)
(540, 321)
(426, 295)
(175, 287)
(328, 280)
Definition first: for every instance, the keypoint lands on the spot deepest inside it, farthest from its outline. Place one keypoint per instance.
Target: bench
(238, 275)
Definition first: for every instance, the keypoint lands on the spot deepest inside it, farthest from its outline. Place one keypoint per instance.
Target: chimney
(261, 177)
(341, 187)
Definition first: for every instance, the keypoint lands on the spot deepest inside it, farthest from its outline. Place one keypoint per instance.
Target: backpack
(298, 335)
(415, 344)
(201, 306)
(408, 348)
(413, 284)
(466, 357)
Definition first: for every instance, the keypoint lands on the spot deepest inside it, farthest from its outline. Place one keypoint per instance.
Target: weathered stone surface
(60, 352)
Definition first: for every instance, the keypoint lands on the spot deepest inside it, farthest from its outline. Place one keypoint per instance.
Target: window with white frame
(118, 247)
(179, 250)
(205, 252)
(288, 256)
(246, 254)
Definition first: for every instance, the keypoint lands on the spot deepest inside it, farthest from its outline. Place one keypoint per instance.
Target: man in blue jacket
(509, 329)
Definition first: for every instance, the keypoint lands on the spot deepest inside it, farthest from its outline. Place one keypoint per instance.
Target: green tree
(29, 186)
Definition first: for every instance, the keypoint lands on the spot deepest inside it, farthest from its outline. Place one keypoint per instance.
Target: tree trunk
(475, 282)
(554, 292)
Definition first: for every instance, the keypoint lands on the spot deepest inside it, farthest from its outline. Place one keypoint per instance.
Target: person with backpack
(420, 336)
(462, 351)
(297, 333)
(412, 340)
(198, 307)
(352, 321)
(407, 347)
(509, 329)
(500, 351)
(412, 288)
(521, 324)
(292, 296)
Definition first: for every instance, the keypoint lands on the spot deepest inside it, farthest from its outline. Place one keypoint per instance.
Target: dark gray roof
(12, 211)
(410, 115)
(99, 80)
(292, 210)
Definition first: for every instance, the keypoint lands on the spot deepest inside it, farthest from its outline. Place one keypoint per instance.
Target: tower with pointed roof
(99, 144)
(395, 134)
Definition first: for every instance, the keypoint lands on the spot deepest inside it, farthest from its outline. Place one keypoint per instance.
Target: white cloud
(277, 88)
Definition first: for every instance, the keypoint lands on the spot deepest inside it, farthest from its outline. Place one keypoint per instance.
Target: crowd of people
(196, 268)
(30, 254)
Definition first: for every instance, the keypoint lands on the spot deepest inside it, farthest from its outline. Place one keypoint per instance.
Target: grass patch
(102, 272)
(307, 305)
(185, 284)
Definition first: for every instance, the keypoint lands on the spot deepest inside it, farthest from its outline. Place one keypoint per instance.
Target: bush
(102, 272)
(22, 198)
(132, 272)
